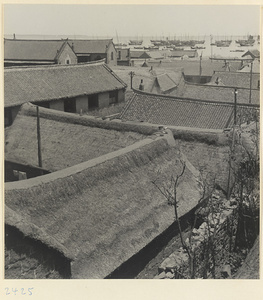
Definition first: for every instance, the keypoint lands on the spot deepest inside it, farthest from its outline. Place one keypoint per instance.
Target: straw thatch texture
(63, 143)
(107, 213)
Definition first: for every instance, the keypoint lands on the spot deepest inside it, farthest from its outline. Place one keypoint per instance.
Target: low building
(123, 56)
(163, 84)
(252, 54)
(184, 54)
(139, 54)
(184, 112)
(37, 52)
(93, 50)
(71, 88)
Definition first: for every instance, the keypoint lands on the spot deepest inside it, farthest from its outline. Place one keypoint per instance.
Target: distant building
(139, 54)
(37, 52)
(93, 50)
(184, 54)
(72, 88)
(253, 54)
(123, 56)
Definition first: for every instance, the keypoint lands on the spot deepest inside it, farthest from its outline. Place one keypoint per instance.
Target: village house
(95, 193)
(93, 50)
(37, 52)
(123, 56)
(252, 54)
(139, 54)
(185, 112)
(70, 88)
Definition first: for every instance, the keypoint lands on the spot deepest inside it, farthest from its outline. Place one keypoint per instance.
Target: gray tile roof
(31, 49)
(167, 110)
(58, 81)
(235, 79)
(217, 93)
(90, 46)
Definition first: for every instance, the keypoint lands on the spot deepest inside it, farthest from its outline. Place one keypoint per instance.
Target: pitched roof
(217, 93)
(90, 46)
(174, 111)
(57, 82)
(235, 79)
(60, 131)
(165, 82)
(32, 49)
(254, 53)
(139, 54)
(93, 210)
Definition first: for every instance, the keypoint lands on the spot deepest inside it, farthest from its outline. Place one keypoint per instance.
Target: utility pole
(39, 140)
(235, 107)
(250, 86)
(211, 39)
(132, 75)
(232, 147)
(200, 68)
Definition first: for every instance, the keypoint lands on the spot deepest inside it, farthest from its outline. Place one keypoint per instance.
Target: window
(119, 54)
(111, 55)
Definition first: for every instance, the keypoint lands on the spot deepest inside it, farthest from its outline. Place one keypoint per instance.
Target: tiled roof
(165, 82)
(165, 110)
(57, 81)
(31, 49)
(235, 79)
(139, 54)
(90, 46)
(216, 93)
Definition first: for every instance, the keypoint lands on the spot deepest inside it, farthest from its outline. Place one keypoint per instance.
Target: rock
(160, 276)
(169, 275)
(226, 271)
(195, 232)
(233, 202)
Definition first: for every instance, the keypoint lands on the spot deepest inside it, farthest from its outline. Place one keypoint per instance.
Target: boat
(135, 42)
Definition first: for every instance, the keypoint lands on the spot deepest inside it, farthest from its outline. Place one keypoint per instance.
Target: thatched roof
(47, 83)
(64, 142)
(105, 213)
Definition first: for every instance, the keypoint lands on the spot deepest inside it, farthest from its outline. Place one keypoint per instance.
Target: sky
(131, 20)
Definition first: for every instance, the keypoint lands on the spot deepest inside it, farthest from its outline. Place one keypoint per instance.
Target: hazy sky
(131, 20)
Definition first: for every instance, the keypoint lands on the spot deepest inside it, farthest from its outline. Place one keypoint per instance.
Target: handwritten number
(14, 291)
(22, 291)
(7, 291)
(29, 290)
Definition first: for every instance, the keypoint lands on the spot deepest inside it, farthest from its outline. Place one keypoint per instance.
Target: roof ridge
(28, 68)
(169, 97)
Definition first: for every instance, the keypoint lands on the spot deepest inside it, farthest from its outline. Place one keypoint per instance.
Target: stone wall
(216, 233)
